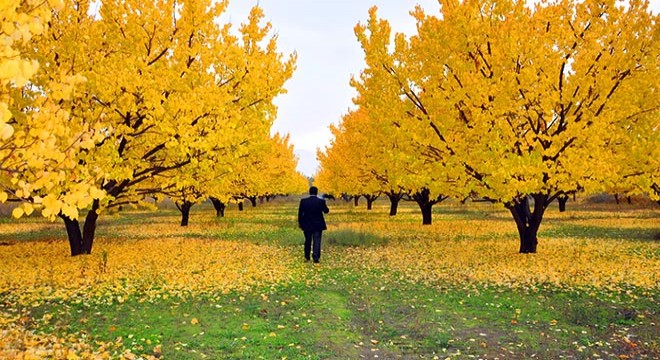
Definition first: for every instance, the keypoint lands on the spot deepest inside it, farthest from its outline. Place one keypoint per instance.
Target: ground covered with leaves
(387, 288)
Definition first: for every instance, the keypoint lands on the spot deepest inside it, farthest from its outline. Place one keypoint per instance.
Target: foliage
(517, 116)
(166, 101)
(36, 148)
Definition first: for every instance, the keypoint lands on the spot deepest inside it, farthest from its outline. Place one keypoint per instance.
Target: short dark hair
(313, 190)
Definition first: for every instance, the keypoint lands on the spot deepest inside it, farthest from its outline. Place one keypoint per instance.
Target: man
(312, 223)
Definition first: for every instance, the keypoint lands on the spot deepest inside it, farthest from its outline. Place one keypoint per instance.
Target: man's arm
(301, 214)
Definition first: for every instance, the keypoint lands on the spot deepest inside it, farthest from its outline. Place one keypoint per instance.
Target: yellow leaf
(17, 213)
(28, 208)
(194, 321)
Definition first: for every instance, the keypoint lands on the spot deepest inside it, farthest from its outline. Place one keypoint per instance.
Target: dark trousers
(313, 239)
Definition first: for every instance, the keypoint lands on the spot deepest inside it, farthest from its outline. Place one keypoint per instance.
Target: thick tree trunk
(629, 200)
(219, 207)
(427, 213)
(528, 222)
(370, 200)
(394, 203)
(80, 242)
(74, 235)
(89, 229)
(562, 202)
(240, 206)
(616, 198)
(422, 198)
(253, 201)
(185, 212)
(356, 199)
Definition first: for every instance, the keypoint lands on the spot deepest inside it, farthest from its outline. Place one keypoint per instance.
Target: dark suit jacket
(310, 214)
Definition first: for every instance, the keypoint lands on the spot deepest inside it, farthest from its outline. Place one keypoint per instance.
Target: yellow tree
(344, 166)
(526, 103)
(256, 75)
(281, 170)
(405, 165)
(36, 146)
(164, 86)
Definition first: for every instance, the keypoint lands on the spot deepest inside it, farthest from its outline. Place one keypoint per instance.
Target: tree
(344, 166)
(164, 86)
(269, 168)
(36, 146)
(526, 103)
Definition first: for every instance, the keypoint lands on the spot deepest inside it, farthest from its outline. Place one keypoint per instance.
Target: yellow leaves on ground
(17, 342)
(560, 262)
(479, 251)
(152, 268)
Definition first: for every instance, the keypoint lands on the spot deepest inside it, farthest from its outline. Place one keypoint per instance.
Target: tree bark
(89, 229)
(185, 212)
(394, 202)
(616, 198)
(74, 235)
(356, 199)
(528, 222)
(253, 200)
(427, 213)
(80, 242)
(219, 207)
(240, 206)
(422, 198)
(562, 202)
(370, 200)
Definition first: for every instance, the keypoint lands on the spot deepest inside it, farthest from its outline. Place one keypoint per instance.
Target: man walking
(312, 223)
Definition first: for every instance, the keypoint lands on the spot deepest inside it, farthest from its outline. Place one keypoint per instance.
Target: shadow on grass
(353, 238)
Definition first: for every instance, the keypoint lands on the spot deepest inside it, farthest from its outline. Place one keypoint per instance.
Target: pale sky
(321, 32)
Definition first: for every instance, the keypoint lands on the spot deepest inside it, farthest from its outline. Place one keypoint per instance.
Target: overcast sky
(321, 32)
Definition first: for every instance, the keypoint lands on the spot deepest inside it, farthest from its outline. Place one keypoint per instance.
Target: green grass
(341, 313)
(344, 316)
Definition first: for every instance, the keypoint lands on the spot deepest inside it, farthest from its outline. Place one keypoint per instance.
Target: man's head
(313, 190)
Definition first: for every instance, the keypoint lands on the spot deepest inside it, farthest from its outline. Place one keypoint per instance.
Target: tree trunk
(74, 235)
(89, 229)
(422, 198)
(356, 199)
(616, 198)
(240, 206)
(253, 201)
(370, 200)
(562, 202)
(629, 200)
(185, 212)
(219, 207)
(427, 213)
(80, 242)
(527, 221)
(394, 203)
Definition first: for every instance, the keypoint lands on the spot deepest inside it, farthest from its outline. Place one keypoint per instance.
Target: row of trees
(504, 102)
(133, 100)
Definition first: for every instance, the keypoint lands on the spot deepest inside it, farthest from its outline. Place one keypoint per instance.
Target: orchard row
(498, 101)
(107, 106)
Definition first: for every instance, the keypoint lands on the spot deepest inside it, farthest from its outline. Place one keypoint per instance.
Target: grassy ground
(387, 287)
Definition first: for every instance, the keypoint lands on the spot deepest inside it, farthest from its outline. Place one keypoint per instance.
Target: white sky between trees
(321, 33)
